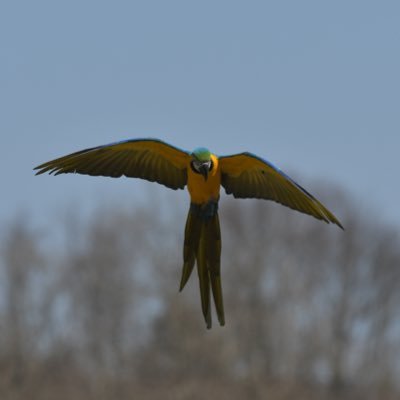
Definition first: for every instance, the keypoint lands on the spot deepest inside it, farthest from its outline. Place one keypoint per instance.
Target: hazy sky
(313, 86)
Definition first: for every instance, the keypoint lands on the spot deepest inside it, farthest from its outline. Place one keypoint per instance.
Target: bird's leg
(210, 209)
(205, 211)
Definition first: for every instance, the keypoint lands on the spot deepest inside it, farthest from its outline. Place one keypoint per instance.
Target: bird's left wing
(149, 159)
(247, 176)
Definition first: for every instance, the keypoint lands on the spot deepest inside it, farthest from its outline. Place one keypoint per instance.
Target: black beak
(204, 171)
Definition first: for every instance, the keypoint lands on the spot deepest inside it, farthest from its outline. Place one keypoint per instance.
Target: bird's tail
(203, 244)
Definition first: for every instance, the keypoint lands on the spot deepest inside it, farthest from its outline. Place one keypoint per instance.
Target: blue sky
(313, 86)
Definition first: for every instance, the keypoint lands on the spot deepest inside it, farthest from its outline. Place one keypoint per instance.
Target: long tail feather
(191, 244)
(203, 244)
(212, 236)
(204, 279)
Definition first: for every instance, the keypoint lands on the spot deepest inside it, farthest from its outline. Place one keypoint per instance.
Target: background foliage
(90, 309)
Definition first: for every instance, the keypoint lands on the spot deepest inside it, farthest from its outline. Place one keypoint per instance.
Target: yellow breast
(201, 190)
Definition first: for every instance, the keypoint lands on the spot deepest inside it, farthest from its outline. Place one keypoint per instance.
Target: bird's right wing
(149, 159)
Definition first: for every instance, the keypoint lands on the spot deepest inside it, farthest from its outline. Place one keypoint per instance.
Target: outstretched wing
(149, 159)
(245, 175)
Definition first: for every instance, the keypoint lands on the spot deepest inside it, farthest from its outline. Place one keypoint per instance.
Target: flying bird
(243, 175)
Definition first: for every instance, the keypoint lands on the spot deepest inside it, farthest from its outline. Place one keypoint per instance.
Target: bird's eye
(198, 165)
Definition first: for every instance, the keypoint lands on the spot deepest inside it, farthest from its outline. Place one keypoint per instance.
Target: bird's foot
(204, 211)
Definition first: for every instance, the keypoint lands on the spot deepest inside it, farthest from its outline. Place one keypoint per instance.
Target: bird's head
(201, 161)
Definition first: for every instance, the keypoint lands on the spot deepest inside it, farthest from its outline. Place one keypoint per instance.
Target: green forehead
(202, 154)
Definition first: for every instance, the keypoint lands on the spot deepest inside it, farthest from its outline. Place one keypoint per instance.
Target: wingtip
(332, 219)
(41, 169)
(340, 225)
(38, 171)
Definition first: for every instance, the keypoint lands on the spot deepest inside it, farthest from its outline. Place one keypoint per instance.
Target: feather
(190, 246)
(212, 237)
(149, 159)
(202, 245)
(204, 279)
(247, 176)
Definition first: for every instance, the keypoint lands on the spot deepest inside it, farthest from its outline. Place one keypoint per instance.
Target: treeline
(90, 309)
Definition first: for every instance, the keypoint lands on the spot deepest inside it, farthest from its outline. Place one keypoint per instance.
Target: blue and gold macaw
(244, 175)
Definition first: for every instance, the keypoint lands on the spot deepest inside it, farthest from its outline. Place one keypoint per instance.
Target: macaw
(243, 175)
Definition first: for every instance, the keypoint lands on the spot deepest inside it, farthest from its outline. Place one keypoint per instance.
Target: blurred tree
(311, 311)
(21, 262)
